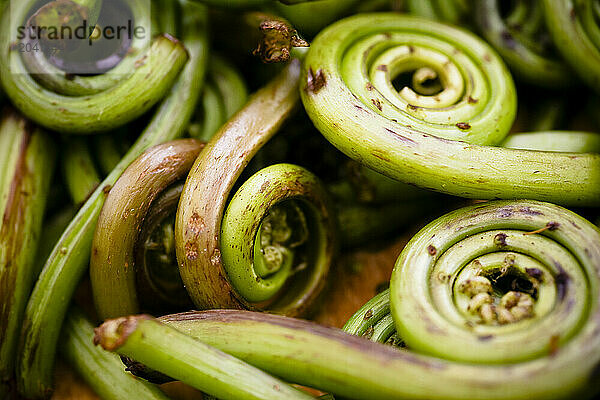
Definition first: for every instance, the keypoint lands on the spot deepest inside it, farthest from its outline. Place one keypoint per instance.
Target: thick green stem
(348, 93)
(373, 321)
(352, 367)
(107, 152)
(101, 370)
(195, 363)
(78, 169)
(26, 162)
(54, 226)
(225, 93)
(113, 268)
(69, 259)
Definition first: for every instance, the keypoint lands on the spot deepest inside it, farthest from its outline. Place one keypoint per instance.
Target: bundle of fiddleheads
(523, 41)
(57, 99)
(573, 25)
(136, 221)
(273, 246)
(498, 300)
(70, 257)
(26, 162)
(431, 132)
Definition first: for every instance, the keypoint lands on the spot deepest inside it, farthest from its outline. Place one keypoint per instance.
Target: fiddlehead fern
(69, 259)
(478, 281)
(113, 268)
(461, 93)
(278, 225)
(212, 263)
(460, 89)
(523, 41)
(499, 283)
(26, 162)
(573, 25)
(83, 104)
(490, 288)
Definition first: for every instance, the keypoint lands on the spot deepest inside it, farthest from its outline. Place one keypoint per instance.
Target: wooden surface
(356, 278)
